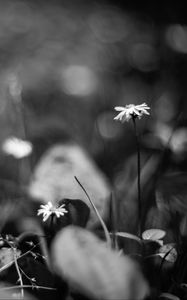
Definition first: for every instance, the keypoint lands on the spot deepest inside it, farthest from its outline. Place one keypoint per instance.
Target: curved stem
(107, 234)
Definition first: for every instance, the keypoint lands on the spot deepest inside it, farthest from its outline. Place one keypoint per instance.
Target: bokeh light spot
(78, 80)
(165, 109)
(178, 141)
(143, 57)
(110, 25)
(176, 36)
(108, 129)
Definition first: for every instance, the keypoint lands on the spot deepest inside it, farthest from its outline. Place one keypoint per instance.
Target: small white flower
(131, 111)
(17, 147)
(48, 209)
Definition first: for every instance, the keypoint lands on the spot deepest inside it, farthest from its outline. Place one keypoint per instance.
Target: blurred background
(65, 65)
(71, 62)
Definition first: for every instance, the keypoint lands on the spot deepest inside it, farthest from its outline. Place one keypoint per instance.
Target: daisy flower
(131, 111)
(49, 209)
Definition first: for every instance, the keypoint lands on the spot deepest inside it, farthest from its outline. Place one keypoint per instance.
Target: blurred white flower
(131, 111)
(49, 209)
(17, 147)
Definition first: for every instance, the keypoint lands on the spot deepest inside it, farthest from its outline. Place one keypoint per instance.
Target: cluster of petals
(49, 209)
(131, 111)
(16, 147)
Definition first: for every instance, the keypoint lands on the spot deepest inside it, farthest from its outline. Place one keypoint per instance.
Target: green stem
(138, 181)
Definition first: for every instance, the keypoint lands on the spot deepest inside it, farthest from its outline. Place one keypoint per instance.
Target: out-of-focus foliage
(69, 59)
(54, 180)
(8, 295)
(64, 66)
(94, 270)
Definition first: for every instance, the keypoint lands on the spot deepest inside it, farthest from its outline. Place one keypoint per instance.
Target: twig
(11, 262)
(13, 248)
(42, 243)
(28, 286)
(18, 270)
(32, 280)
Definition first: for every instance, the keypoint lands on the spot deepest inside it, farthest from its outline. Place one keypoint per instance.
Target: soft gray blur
(71, 63)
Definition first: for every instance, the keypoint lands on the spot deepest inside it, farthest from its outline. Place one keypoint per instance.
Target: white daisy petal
(146, 112)
(48, 209)
(45, 218)
(119, 108)
(136, 111)
(119, 116)
(131, 111)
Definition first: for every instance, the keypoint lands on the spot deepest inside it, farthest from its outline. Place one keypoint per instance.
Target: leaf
(7, 256)
(78, 211)
(153, 234)
(95, 270)
(168, 252)
(107, 234)
(53, 179)
(77, 214)
(128, 236)
(160, 242)
(169, 296)
(183, 285)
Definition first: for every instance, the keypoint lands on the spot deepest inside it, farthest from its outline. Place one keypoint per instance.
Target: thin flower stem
(107, 234)
(28, 287)
(14, 250)
(52, 222)
(11, 262)
(138, 181)
(18, 271)
(42, 242)
(113, 216)
(29, 278)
